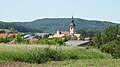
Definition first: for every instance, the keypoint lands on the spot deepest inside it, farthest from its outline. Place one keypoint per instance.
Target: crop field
(58, 56)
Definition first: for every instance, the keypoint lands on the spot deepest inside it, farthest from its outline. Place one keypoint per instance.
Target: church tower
(72, 26)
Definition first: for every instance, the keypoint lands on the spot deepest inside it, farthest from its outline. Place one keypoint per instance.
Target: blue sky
(28, 10)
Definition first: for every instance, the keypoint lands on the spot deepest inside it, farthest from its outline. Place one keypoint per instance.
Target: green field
(58, 56)
(71, 63)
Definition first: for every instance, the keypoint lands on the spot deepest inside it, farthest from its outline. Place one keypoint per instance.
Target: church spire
(72, 22)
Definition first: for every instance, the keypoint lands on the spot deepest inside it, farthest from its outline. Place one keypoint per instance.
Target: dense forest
(17, 27)
(52, 24)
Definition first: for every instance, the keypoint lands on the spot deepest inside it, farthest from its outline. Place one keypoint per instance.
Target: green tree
(97, 40)
(18, 38)
(82, 32)
(104, 38)
(112, 48)
(111, 32)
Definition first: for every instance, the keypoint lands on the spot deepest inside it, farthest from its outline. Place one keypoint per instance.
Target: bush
(4, 40)
(18, 38)
(66, 38)
(41, 55)
(112, 48)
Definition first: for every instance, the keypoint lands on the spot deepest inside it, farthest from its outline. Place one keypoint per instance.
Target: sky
(29, 10)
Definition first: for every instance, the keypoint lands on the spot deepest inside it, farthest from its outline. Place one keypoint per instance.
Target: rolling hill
(52, 24)
(20, 28)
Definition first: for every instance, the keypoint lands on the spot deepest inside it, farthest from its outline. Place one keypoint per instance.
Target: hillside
(52, 24)
(5, 30)
(20, 28)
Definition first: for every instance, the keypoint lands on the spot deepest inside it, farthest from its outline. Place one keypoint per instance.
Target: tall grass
(40, 54)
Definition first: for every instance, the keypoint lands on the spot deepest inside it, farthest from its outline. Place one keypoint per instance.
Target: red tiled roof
(58, 35)
(3, 35)
(65, 33)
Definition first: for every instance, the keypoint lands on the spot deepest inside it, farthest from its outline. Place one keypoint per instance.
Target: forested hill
(52, 24)
(20, 28)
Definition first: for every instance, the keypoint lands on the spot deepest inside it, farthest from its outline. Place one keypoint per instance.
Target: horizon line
(60, 18)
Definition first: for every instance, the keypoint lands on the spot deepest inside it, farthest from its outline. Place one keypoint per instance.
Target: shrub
(112, 48)
(18, 38)
(4, 40)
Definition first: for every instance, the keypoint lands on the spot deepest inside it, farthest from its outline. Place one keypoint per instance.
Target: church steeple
(72, 26)
(72, 22)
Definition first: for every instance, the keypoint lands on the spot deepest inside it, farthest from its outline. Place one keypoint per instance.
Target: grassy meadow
(58, 56)
(66, 63)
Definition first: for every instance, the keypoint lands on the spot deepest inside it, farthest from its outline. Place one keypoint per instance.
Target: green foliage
(18, 27)
(67, 63)
(85, 33)
(109, 34)
(112, 48)
(52, 41)
(108, 41)
(66, 38)
(47, 35)
(97, 40)
(112, 31)
(18, 38)
(82, 32)
(84, 63)
(25, 41)
(104, 38)
(40, 54)
(4, 40)
(12, 30)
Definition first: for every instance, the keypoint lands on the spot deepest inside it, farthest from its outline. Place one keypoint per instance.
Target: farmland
(45, 55)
